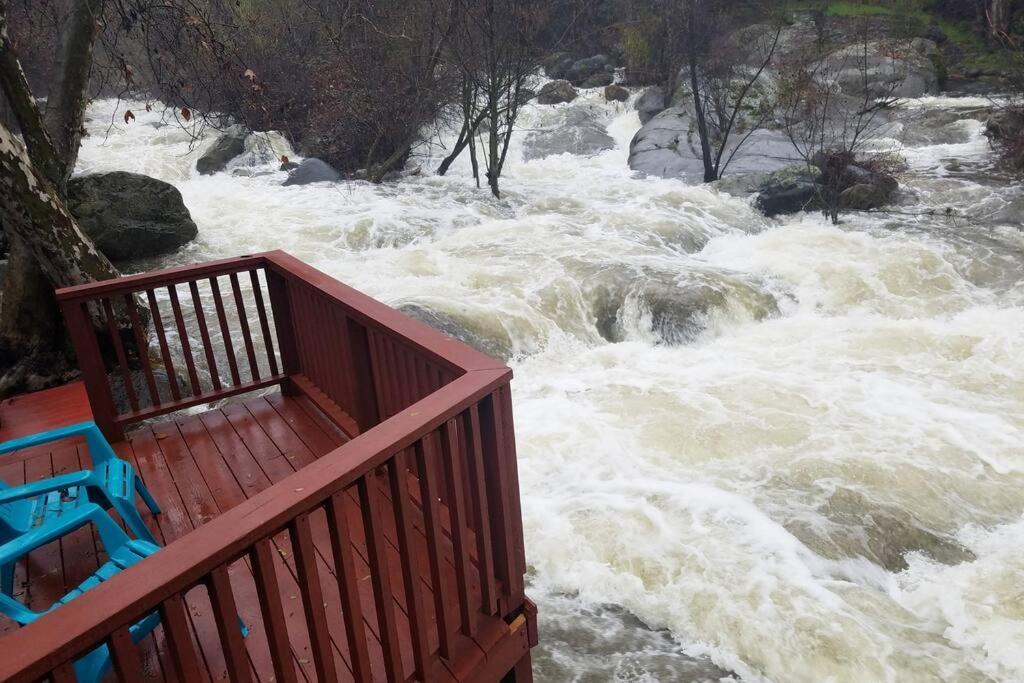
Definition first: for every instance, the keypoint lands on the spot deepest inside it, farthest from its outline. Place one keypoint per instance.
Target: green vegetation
(977, 53)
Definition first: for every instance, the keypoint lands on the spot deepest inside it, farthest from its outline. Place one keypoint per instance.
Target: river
(771, 450)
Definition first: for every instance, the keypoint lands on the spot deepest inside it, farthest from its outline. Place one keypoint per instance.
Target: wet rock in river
(650, 103)
(225, 148)
(466, 329)
(556, 92)
(129, 215)
(583, 70)
(312, 171)
(616, 93)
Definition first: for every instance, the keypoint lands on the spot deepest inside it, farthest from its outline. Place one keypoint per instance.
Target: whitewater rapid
(776, 450)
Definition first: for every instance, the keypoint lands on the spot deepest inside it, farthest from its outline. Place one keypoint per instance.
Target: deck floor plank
(199, 466)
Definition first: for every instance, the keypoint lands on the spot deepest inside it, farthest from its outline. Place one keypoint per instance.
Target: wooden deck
(198, 467)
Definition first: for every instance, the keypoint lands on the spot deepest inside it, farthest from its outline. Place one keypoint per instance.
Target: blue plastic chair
(123, 553)
(111, 483)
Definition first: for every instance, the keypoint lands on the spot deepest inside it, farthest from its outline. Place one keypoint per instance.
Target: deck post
(94, 373)
(366, 394)
(280, 304)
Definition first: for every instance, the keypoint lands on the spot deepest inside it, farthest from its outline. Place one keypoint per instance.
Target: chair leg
(7, 579)
(130, 514)
(147, 497)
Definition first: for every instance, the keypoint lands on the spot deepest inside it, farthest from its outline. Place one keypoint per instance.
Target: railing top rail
(159, 278)
(33, 651)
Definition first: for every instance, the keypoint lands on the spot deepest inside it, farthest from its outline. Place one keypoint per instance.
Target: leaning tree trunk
(47, 249)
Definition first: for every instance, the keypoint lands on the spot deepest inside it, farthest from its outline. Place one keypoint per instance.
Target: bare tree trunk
(710, 174)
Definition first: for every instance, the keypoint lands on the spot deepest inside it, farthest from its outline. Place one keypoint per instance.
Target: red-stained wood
(413, 569)
(313, 598)
(165, 351)
(124, 655)
(122, 360)
(141, 348)
(182, 654)
(261, 311)
(186, 345)
(41, 411)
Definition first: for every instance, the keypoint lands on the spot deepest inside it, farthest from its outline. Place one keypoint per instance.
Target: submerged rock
(557, 92)
(582, 133)
(216, 158)
(312, 170)
(129, 215)
(465, 329)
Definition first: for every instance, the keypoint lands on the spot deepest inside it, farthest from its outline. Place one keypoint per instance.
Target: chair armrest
(44, 486)
(17, 611)
(47, 437)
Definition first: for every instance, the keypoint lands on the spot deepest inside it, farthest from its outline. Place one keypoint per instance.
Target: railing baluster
(378, 363)
(143, 349)
(435, 541)
(243, 323)
(312, 598)
(348, 587)
(398, 473)
(261, 311)
(274, 620)
(122, 360)
(174, 618)
(64, 673)
(228, 627)
(380, 575)
(204, 334)
(225, 331)
(124, 655)
(165, 352)
(481, 509)
(452, 459)
(186, 345)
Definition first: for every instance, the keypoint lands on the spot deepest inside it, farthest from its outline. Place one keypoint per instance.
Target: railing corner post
(284, 323)
(90, 362)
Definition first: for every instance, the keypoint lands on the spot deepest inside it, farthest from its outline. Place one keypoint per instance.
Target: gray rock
(557, 92)
(583, 69)
(557, 65)
(909, 72)
(598, 80)
(312, 171)
(788, 190)
(1004, 124)
(650, 103)
(616, 93)
(216, 158)
(465, 328)
(129, 215)
(667, 147)
(582, 133)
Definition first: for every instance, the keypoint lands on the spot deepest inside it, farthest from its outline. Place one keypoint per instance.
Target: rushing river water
(769, 450)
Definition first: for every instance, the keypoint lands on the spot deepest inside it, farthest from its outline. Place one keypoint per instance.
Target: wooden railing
(435, 451)
(229, 327)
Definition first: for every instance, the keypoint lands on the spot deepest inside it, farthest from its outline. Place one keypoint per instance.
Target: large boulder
(650, 103)
(906, 70)
(312, 171)
(582, 133)
(800, 187)
(667, 146)
(225, 148)
(1005, 124)
(584, 69)
(129, 215)
(615, 93)
(556, 92)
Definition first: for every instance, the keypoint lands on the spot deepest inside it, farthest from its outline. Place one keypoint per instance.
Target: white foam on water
(742, 490)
